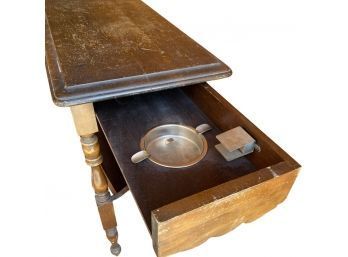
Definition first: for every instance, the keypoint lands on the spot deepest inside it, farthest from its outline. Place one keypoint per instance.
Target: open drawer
(184, 207)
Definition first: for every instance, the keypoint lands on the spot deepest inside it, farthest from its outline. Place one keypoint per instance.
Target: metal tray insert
(173, 145)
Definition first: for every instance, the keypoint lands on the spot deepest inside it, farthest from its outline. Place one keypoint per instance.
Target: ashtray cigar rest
(184, 206)
(173, 145)
(137, 87)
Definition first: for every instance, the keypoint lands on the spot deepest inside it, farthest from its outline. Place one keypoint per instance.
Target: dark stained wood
(99, 49)
(112, 171)
(184, 207)
(125, 120)
(226, 117)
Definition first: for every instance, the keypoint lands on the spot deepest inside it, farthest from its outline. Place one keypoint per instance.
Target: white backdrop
(290, 63)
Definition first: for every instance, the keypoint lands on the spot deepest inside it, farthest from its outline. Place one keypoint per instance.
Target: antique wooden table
(123, 69)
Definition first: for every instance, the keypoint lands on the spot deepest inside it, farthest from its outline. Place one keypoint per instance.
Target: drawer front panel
(217, 217)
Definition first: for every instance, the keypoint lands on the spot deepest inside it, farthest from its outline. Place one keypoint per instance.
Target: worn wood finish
(86, 126)
(183, 208)
(84, 119)
(101, 49)
(107, 216)
(226, 117)
(125, 120)
(191, 221)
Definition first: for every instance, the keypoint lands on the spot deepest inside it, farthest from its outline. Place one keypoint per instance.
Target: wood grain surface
(226, 117)
(98, 49)
(86, 126)
(184, 207)
(84, 119)
(125, 120)
(191, 221)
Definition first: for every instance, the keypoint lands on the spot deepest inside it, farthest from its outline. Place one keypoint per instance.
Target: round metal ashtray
(173, 146)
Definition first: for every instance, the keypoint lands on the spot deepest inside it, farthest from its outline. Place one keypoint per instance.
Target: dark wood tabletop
(100, 49)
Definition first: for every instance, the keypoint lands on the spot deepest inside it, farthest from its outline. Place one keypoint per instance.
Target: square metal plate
(236, 138)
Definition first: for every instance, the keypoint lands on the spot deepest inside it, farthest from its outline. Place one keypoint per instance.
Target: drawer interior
(125, 120)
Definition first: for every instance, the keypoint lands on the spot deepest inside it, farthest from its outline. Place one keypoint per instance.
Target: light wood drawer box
(182, 208)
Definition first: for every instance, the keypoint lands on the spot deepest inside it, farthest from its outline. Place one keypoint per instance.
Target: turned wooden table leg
(86, 125)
